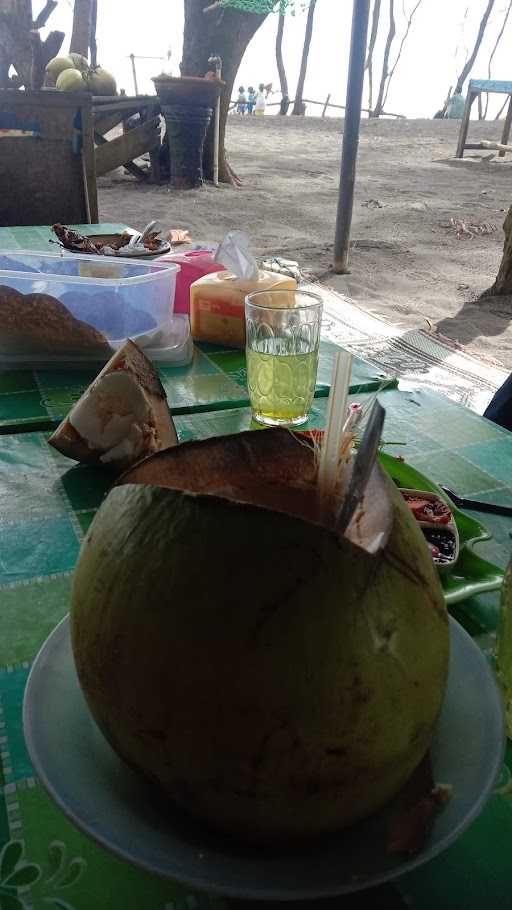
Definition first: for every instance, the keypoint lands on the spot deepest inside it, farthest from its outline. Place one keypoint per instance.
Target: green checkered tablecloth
(47, 505)
(214, 380)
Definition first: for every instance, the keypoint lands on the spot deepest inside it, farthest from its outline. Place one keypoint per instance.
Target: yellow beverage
(281, 386)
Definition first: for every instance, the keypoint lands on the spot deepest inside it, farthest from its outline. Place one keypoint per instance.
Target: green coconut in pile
(275, 678)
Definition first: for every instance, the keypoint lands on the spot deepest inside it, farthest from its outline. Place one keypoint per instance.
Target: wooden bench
(476, 87)
(110, 112)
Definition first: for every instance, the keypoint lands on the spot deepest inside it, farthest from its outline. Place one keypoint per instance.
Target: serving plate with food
(149, 243)
(463, 572)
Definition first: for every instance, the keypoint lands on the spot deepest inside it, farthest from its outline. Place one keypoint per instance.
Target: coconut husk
(41, 324)
(157, 433)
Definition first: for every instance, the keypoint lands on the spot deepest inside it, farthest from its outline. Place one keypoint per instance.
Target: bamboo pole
(339, 107)
(326, 105)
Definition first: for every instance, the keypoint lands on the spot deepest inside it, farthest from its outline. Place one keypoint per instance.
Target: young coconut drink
(277, 679)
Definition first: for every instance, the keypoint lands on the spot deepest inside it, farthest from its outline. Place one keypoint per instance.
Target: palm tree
(228, 31)
(81, 34)
(285, 98)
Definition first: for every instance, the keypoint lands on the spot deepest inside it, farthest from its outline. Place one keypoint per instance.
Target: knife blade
(363, 465)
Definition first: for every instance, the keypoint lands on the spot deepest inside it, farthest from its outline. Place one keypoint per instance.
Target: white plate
(138, 252)
(112, 804)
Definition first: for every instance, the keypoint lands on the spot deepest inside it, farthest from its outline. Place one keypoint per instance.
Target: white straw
(328, 468)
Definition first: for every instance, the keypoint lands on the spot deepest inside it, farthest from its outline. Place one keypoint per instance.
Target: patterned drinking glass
(283, 335)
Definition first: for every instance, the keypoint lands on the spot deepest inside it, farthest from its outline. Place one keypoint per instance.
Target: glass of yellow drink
(283, 336)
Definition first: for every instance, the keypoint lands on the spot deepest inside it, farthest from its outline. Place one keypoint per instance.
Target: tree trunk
(42, 53)
(371, 46)
(223, 32)
(283, 81)
(81, 33)
(471, 59)
(495, 48)
(379, 104)
(92, 37)
(503, 283)
(16, 25)
(298, 107)
(409, 18)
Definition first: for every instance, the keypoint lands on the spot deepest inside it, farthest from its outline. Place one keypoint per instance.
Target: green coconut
(79, 62)
(275, 679)
(101, 82)
(71, 80)
(55, 67)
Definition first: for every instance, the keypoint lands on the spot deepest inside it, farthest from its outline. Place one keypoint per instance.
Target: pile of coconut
(73, 73)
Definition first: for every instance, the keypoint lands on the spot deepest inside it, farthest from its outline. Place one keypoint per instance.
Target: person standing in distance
(260, 100)
(241, 103)
(251, 99)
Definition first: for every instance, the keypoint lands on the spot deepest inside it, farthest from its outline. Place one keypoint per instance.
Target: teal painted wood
(490, 85)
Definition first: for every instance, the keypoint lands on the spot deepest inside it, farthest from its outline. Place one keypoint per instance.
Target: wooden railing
(325, 105)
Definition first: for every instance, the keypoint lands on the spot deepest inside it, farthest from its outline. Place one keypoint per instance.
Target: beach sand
(407, 263)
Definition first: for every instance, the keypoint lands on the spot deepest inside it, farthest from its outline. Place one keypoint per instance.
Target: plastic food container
(217, 304)
(70, 309)
(193, 265)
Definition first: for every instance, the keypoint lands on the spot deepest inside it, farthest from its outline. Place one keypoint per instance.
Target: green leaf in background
(58, 903)
(10, 902)
(23, 877)
(56, 859)
(74, 871)
(10, 857)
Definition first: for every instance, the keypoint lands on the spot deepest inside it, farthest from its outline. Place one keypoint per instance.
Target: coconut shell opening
(271, 469)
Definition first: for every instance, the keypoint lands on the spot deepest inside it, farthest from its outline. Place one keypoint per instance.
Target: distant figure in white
(260, 101)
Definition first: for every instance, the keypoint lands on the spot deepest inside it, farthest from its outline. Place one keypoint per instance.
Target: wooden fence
(325, 105)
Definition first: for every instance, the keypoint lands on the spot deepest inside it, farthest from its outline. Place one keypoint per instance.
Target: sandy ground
(407, 263)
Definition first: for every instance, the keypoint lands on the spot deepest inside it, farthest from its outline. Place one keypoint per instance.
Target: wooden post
(326, 105)
(360, 15)
(464, 124)
(506, 128)
(89, 165)
(217, 63)
(154, 153)
(134, 71)
(480, 111)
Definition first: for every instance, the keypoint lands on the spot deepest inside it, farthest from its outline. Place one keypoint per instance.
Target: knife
(363, 465)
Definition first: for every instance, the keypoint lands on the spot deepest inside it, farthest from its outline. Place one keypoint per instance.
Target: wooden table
(48, 504)
(475, 88)
(47, 161)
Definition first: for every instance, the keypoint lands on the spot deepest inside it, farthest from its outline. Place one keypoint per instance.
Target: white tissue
(233, 252)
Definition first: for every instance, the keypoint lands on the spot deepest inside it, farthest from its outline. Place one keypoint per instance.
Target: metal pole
(360, 15)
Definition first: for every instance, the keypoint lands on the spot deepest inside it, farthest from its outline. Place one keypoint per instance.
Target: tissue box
(217, 304)
(194, 264)
(69, 309)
